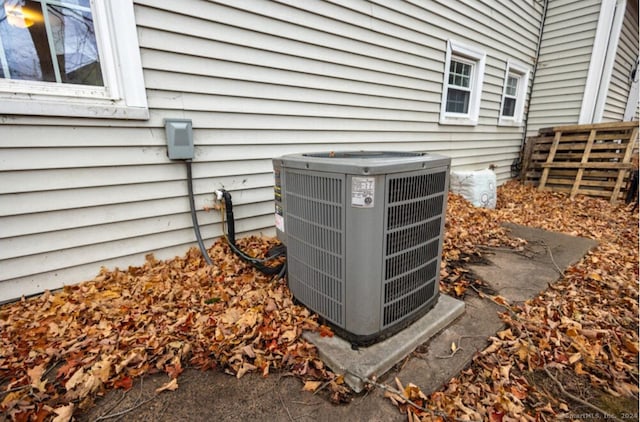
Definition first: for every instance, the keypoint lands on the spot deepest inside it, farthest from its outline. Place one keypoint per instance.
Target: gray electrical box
(364, 235)
(179, 138)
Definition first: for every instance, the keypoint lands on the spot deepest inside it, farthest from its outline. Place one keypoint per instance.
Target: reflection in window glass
(512, 85)
(458, 101)
(459, 91)
(459, 74)
(509, 107)
(59, 46)
(510, 96)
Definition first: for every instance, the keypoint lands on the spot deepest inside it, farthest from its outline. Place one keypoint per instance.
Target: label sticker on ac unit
(362, 189)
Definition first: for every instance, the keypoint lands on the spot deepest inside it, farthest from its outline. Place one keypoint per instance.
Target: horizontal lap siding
(626, 57)
(259, 79)
(565, 53)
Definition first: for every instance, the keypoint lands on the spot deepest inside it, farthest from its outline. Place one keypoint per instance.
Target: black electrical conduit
(194, 217)
(231, 239)
(280, 270)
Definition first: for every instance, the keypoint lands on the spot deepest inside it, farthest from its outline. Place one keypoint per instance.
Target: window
(459, 87)
(510, 96)
(65, 58)
(513, 95)
(464, 72)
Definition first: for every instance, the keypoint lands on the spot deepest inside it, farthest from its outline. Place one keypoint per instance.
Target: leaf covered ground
(584, 327)
(59, 351)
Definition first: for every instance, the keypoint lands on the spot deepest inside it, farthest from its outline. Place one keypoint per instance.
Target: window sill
(509, 123)
(458, 121)
(71, 107)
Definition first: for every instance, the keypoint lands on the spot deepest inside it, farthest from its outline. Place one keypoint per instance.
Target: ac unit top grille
(367, 155)
(364, 162)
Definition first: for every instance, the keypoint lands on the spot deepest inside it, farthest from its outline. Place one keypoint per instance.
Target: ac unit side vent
(409, 282)
(321, 237)
(412, 243)
(316, 290)
(316, 212)
(315, 253)
(410, 260)
(325, 189)
(403, 307)
(412, 187)
(413, 236)
(316, 258)
(414, 212)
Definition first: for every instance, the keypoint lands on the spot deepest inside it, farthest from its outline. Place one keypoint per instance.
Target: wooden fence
(593, 159)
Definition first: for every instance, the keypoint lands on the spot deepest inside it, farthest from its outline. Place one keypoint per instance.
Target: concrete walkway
(211, 395)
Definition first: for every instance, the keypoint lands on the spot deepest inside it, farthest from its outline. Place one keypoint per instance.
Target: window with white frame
(516, 80)
(66, 58)
(462, 87)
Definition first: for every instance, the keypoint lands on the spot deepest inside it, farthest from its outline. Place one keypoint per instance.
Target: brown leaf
(75, 379)
(170, 386)
(246, 367)
(124, 382)
(518, 392)
(35, 375)
(102, 369)
(11, 398)
(574, 358)
(67, 368)
(505, 334)
(631, 346)
(289, 335)
(174, 370)
(311, 386)
(595, 276)
(325, 331)
(64, 413)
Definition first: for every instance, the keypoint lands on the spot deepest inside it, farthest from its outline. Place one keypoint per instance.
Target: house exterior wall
(258, 79)
(626, 57)
(565, 54)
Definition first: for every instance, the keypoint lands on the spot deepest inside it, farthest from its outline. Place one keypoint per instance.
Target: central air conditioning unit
(363, 232)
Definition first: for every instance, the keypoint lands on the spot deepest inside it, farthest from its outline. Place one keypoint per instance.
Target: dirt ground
(215, 396)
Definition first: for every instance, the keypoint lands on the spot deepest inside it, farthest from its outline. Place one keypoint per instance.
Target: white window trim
(465, 52)
(523, 71)
(124, 96)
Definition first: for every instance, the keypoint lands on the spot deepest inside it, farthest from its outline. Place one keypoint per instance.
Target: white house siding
(565, 53)
(626, 57)
(259, 79)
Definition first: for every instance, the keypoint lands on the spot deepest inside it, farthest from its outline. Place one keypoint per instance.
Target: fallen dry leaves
(58, 351)
(468, 227)
(586, 322)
